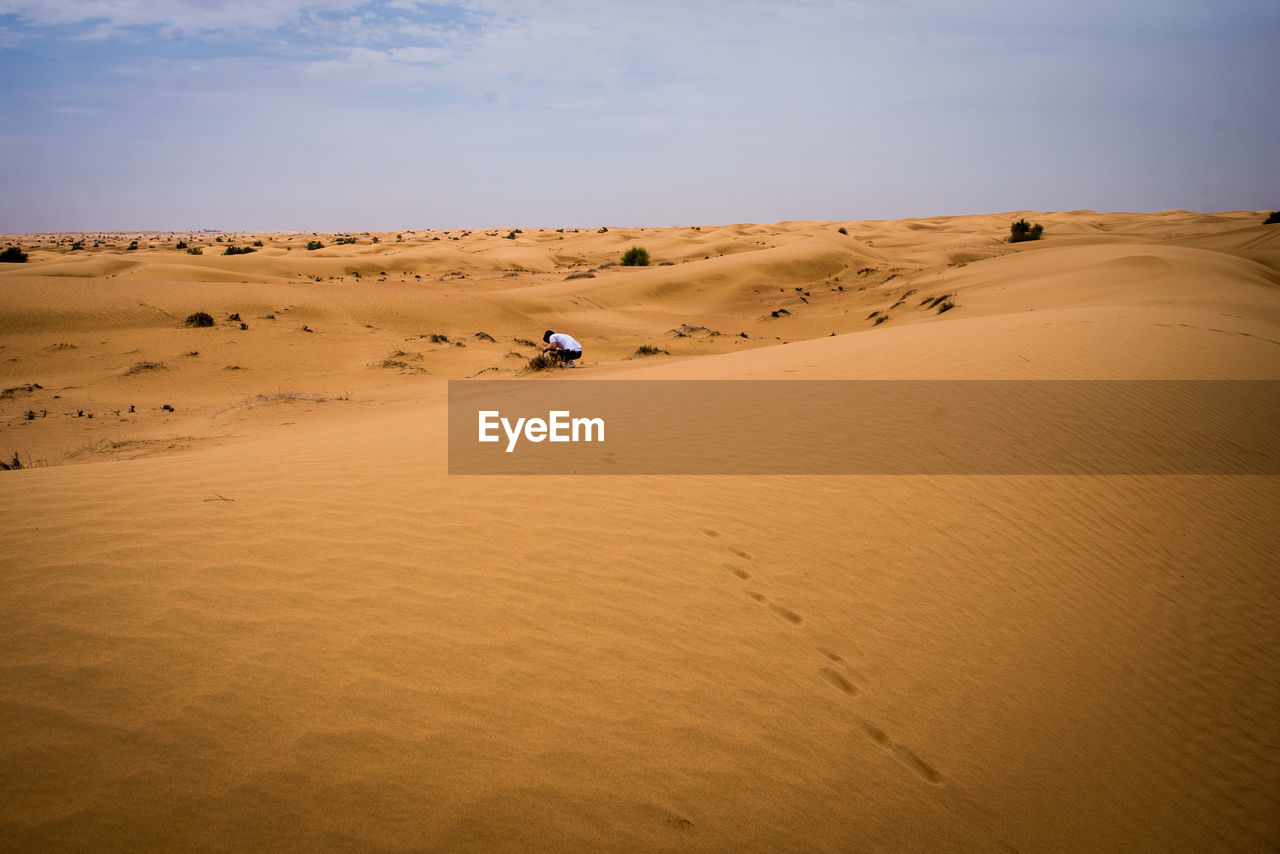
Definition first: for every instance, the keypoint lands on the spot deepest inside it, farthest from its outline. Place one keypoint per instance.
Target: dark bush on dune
(1023, 230)
(635, 257)
(238, 250)
(314, 244)
(1273, 219)
(200, 318)
(13, 255)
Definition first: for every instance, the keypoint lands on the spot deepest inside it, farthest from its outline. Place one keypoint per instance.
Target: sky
(323, 115)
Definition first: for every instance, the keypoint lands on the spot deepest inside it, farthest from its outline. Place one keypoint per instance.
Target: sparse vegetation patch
(1022, 231)
(541, 362)
(636, 256)
(145, 367)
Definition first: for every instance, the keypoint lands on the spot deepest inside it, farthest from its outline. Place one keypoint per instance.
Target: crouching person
(560, 346)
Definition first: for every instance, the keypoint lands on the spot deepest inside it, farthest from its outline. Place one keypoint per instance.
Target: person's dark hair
(546, 336)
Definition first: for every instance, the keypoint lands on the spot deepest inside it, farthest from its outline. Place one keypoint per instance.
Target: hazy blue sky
(330, 114)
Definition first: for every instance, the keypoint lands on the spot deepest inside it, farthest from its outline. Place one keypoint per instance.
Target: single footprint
(786, 614)
(710, 533)
(740, 553)
(877, 735)
(737, 570)
(916, 764)
(831, 656)
(759, 597)
(839, 681)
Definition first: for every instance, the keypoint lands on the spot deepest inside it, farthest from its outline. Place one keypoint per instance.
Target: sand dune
(266, 618)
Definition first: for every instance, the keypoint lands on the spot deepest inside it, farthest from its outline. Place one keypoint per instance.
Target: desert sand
(247, 609)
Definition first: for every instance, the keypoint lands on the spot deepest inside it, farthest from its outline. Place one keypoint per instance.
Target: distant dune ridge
(247, 609)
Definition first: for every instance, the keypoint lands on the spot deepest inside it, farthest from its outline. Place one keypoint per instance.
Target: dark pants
(567, 355)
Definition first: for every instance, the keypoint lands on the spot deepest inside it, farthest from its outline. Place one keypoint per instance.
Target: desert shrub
(133, 244)
(257, 243)
(78, 245)
(602, 230)
(144, 367)
(541, 362)
(13, 255)
(1023, 230)
(195, 250)
(200, 318)
(510, 235)
(484, 336)
(343, 241)
(842, 230)
(1274, 218)
(635, 257)
(182, 244)
(238, 250)
(314, 244)
(650, 350)
(572, 276)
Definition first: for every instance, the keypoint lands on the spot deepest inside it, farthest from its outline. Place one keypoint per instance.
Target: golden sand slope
(268, 620)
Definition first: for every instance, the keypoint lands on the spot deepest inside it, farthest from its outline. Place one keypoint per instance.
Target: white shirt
(564, 342)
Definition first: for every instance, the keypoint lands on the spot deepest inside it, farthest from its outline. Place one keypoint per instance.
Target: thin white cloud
(187, 16)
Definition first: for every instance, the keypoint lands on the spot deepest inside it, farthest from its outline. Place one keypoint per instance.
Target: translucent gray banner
(826, 427)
